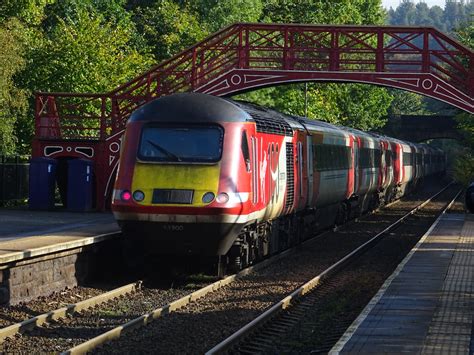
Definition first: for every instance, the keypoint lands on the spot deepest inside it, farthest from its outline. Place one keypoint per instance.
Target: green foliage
(215, 14)
(464, 164)
(12, 98)
(112, 11)
(464, 169)
(407, 103)
(466, 34)
(71, 45)
(466, 125)
(30, 12)
(361, 106)
(323, 11)
(355, 105)
(168, 27)
(85, 54)
(455, 14)
(456, 17)
(95, 45)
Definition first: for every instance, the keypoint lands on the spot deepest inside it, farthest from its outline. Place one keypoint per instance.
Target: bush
(464, 169)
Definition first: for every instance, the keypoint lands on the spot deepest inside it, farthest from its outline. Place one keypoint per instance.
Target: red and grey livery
(212, 176)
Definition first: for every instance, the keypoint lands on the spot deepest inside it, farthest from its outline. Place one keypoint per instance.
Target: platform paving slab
(427, 305)
(43, 252)
(25, 234)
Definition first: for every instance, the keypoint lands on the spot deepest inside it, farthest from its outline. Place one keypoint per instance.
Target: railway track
(238, 290)
(45, 321)
(263, 334)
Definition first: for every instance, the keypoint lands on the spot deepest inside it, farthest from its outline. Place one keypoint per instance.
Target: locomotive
(210, 176)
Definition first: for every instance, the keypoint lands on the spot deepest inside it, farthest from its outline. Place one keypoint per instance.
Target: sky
(394, 3)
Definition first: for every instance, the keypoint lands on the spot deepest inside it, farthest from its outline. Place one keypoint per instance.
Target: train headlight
(138, 195)
(125, 195)
(208, 197)
(222, 198)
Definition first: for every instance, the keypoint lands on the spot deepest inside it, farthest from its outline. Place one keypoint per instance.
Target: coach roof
(190, 107)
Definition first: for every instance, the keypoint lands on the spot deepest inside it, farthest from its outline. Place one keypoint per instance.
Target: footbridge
(245, 57)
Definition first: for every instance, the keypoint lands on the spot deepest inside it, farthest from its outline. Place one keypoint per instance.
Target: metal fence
(13, 178)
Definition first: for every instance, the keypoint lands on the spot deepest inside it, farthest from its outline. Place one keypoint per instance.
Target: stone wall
(42, 276)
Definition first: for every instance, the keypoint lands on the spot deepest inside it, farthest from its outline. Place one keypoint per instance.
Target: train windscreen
(192, 144)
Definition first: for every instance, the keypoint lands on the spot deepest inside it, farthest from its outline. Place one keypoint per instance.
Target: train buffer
(427, 304)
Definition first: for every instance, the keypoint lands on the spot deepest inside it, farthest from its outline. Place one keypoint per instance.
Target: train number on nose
(173, 227)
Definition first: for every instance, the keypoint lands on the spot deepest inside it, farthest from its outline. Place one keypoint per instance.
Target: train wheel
(342, 214)
(222, 265)
(236, 258)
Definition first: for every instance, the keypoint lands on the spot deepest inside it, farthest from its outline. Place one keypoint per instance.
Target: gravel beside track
(68, 332)
(65, 333)
(332, 308)
(14, 314)
(200, 325)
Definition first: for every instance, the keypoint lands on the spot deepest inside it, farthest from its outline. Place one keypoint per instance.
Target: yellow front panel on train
(200, 178)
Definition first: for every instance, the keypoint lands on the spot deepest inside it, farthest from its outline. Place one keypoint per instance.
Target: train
(207, 176)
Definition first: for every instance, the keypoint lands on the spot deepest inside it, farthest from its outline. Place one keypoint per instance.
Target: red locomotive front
(185, 176)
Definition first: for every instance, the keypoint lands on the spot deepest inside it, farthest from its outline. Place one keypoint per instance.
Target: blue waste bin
(42, 183)
(80, 185)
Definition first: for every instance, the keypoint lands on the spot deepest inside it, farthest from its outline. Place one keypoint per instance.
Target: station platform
(427, 305)
(26, 234)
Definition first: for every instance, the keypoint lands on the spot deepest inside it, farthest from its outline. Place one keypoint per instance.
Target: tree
(168, 27)
(423, 14)
(407, 103)
(219, 14)
(87, 54)
(361, 106)
(12, 99)
(85, 50)
(405, 14)
(464, 165)
(30, 12)
(436, 15)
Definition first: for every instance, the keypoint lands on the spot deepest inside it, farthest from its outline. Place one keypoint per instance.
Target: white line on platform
(337, 348)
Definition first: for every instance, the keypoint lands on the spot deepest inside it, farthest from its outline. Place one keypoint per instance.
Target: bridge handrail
(232, 48)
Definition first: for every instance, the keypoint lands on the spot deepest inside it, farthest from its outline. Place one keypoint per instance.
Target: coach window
(419, 158)
(270, 155)
(366, 155)
(300, 167)
(273, 156)
(388, 158)
(255, 170)
(245, 150)
(407, 159)
(277, 157)
(377, 157)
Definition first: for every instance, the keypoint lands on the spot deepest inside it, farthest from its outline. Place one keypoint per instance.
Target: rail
(59, 313)
(290, 300)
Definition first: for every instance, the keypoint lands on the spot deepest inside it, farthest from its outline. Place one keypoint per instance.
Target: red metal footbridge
(244, 57)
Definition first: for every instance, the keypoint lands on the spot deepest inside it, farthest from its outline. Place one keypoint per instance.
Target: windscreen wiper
(163, 150)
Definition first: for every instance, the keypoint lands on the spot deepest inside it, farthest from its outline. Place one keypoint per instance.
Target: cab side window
(245, 150)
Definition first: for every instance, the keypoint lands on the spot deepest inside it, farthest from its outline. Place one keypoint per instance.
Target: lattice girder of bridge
(245, 57)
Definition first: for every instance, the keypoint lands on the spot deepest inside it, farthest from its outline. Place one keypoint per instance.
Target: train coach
(209, 176)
